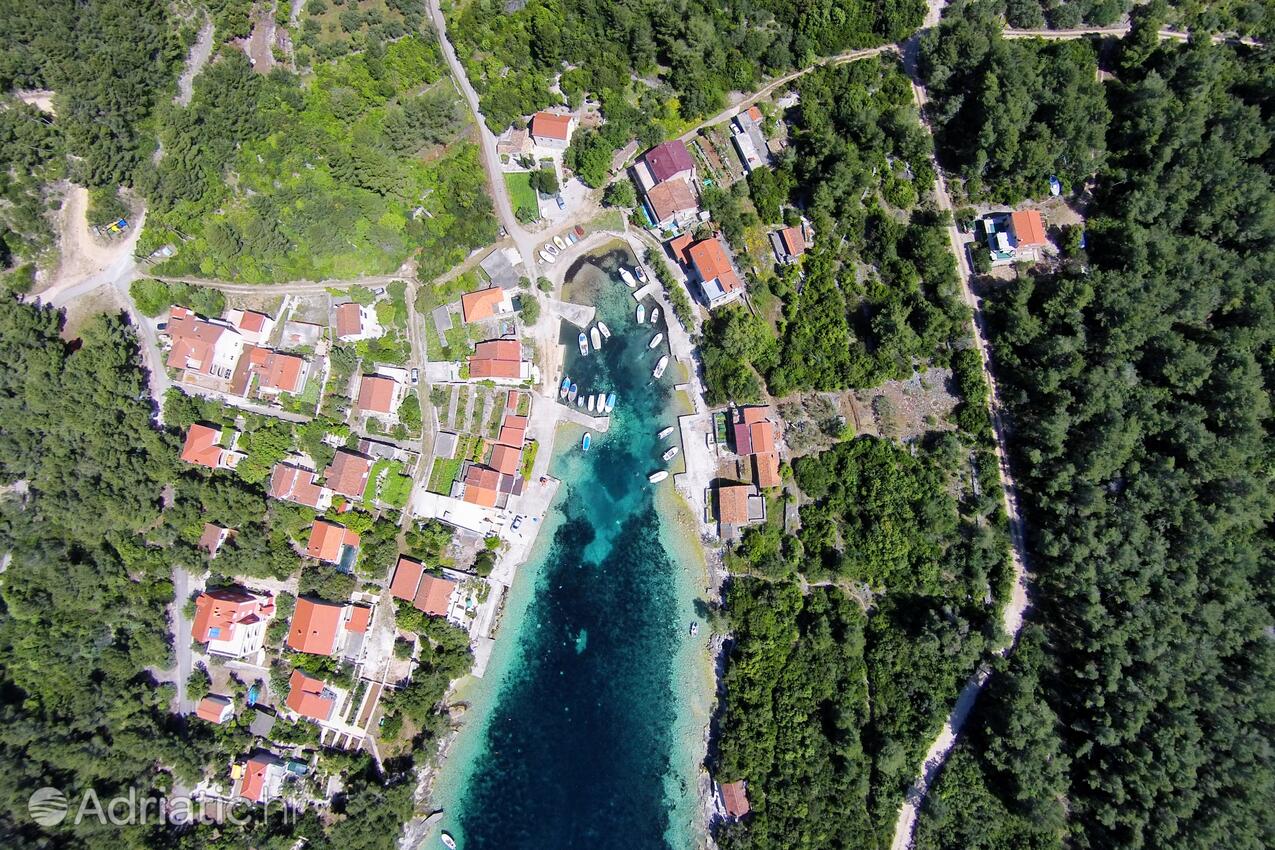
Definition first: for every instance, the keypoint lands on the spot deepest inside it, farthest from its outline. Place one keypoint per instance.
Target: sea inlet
(587, 730)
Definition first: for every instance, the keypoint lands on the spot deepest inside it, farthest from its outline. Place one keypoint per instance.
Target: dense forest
(95, 511)
(1136, 713)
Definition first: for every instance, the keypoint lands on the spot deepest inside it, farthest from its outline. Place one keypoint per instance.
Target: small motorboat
(694, 628)
(660, 367)
(579, 231)
(584, 345)
(595, 337)
(580, 401)
(627, 277)
(448, 841)
(564, 388)
(610, 402)
(571, 393)
(606, 332)
(571, 239)
(641, 273)
(670, 454)
(641, 313)
(586, 442)
(552, 249)
(562, 246)
(664, 435)
(657, 477)
(592, 399)
(655, 315)
(547, 257)
(656, 340)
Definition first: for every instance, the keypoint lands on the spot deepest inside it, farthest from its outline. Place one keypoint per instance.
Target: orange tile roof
(214, 709)
(295, 485)
(513, 437)
(218, 611)
(678, 248)
(481, 486)
(754, 113)
(482, 304)
(755, 413)
(433, 595)
(193, 342)
(505, 459)
(671, 198)
(315, 626)
(499, 349)
(407, 577)
(212, 538)
(1029, 229)
(735, 799)
(201, 446)
(348, 474)
(732, 503)
(281, 372)
(360, 616)
(762, 435)
(349, 320)
(497, 358)
(252, 321)
(254, 778)
(327, 540)
(306, 698)
(511, 400)
(376, 394)
(794, 241)
(711, 262)
(767, 467)
(550, 125)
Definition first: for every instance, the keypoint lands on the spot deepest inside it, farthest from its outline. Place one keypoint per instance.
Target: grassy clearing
(523, 196)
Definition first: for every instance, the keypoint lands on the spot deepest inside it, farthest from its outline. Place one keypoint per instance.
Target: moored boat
(664, 434)
(580, 401)
(595, 337)
(627, 277)
(641, 313)
(564, 388)
(584, 345)
(547, 257)
(655, 315)
(656, 340)
(670, 454)
(694, 628)
(660, 367)
(606, 332)
(592, 399)
(610, 402)
(571, 393)
(657, 477)
(562, 246)
(586, 442)
(641, 273)
(448, 841)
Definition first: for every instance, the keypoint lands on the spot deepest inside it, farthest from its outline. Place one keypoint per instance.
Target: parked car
(416, 375)
(517, 523)
(562, 205)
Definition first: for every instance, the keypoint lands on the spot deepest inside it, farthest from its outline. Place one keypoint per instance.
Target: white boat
(663, 435)
(571, 393)
(562, 246)
(596, 338)
(670, 454)
(580, 400)
(657, 477)
(565, 388)
(656, 340)
(610, 403)
(448, 841)
(641, 313)
(660, 367)
(641, 273)
(606, 332)
(694, 629)
(592, 399)
(547, 257)
(627, 277)
(655, 315)
(584, 345)
(552, 248)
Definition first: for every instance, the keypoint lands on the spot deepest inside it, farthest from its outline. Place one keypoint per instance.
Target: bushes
(153, 297)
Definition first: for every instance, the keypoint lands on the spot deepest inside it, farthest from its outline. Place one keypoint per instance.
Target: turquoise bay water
(589, 719)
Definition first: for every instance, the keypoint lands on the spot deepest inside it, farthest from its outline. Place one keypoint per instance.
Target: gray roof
(445, 445)
(262, 723)
(500, 269)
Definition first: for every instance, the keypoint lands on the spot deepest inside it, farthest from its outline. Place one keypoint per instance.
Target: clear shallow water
(583, 743)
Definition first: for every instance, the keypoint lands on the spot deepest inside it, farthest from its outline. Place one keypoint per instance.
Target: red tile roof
(794, 241)
(671, 198)
(295, 485)
(755, 413)
(482, 485)
(767, 468)
(433, 595)
(498, 358)
(1029, 229)
(349, 321)
(407, 576)
(763, 436)
(482, 304)
(667, 159)
(511, 401)
(754, 113)
(735, 799)
(254, 778)
(499, 349)
(327, 539)
(678, 248)
(711, 263)
(513, 431)
(315, 626)
(212, 538)
(505, 459)
(376, 394)
(193, 342)
(306, 697)
(201, 446)
(281, 371)
(214, 709)
(732, 503)
(743, 438)
(348, 474)
(252, 321)
(360, 616)
(218, 611)
(550, 125)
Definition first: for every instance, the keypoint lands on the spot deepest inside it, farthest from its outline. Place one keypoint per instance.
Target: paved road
(181, 635)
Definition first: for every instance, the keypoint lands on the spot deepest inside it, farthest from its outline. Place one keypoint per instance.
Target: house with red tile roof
(552, 130)
(379, 396)
(513, 431)
(324, 628)
(677, 247)
(499, 360)
(357, 321)
(738, 505)
(754, 436)
(277, 372)
(1013, 237)
(332, 543)
(712, 267)
(202, 348)
(482, 486)
(203, 448)
(1028, 229)
(485, 304)
(672, 205)
(309, 697)
(213, 538)
(215, 709)
(348, 473)
(296, 484)
(407, 577)
(505, 459)
(232, 621)
(789, 243)
(666, 161)
(735, 799)
(254, 327)
(434, 595)
(262, 779)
